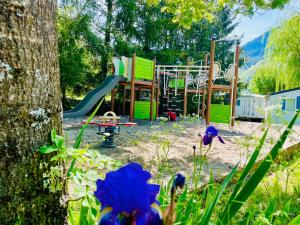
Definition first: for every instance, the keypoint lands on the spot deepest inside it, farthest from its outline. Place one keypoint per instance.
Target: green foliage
(187, 12)
(275, 199)
(257, 176)
(264, 80)
(85, 166)
(78, 48)
(281, 67)
(192, 206)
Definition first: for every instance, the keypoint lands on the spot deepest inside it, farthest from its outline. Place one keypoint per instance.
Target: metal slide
(93, 97)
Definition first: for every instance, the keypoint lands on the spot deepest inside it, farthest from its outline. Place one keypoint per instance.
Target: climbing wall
(173, 100)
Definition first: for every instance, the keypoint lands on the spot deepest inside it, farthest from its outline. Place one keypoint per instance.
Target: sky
(262, 21)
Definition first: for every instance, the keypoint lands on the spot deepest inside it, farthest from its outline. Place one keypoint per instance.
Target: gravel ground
(166, 148)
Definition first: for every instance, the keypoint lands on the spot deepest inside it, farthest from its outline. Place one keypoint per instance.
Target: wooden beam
(132, 97)
(210, 78)
(236, 76)
(203, 101)
(142, 82)
(112, 100)
(124, 101)
(195, 91)
(152, 90)
(219, 87)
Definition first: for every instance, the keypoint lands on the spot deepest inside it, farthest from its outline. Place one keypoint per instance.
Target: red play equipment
(111, 128)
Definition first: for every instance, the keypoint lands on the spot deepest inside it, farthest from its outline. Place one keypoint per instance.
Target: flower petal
(109, 219)
(150, 217)
(207, 139)
(221, 140)
(179, 180)
(211, 130)
(127, 190)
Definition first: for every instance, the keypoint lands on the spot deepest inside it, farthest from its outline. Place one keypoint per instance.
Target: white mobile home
(283, 105)
(251, 106)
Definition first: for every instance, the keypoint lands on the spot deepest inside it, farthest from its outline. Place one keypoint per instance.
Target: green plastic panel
(142, 110)
(220, 113)
(121, 68)
(143, 69)
(180, 83)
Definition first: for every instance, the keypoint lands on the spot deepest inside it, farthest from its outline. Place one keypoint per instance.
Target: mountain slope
(253, 51)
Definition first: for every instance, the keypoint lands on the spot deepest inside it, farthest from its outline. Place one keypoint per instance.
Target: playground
(155, 125)
(149, 112)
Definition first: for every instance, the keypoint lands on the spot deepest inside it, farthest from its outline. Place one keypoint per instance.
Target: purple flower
(179, 181)
(129, 197)
(210, 133)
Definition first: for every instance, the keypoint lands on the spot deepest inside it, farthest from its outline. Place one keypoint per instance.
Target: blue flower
(179, 181)
(128, 197)
(210, 133)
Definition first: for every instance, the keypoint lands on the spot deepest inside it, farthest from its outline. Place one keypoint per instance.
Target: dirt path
(166, 149)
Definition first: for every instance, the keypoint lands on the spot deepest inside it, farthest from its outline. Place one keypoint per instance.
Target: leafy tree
(79, 50)
(264, 81)
(72, 51)
(187, 12)
(281, 67)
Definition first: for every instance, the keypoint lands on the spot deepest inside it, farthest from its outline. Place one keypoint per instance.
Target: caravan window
(238, 102)
(290, 105)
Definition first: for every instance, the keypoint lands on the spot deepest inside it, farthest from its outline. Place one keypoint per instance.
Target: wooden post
(204, 90)
(152, 91)
(124, 100)
(157, 95)
(132, 89)
(210, 78)
(236, 76)
(203, 101)
(185, 93)
(112, 100)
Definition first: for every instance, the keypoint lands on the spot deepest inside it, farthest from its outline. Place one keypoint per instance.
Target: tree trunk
(107, 39)
(30, 105)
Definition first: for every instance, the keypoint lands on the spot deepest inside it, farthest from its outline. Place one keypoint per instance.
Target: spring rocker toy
(110, 122)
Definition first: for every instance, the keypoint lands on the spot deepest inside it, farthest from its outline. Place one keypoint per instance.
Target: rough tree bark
(30, 105)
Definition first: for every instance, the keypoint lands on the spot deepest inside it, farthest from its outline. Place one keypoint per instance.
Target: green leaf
(59, 141)
(81, 132)
(60, 156)
(48, 149)
(92, 175)
(53, 135)
(295, 221)
(258, 175)
(245, 173)
(79, 138)
(85, 203)
(209, 210)
(71, 217)
(83, 212)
